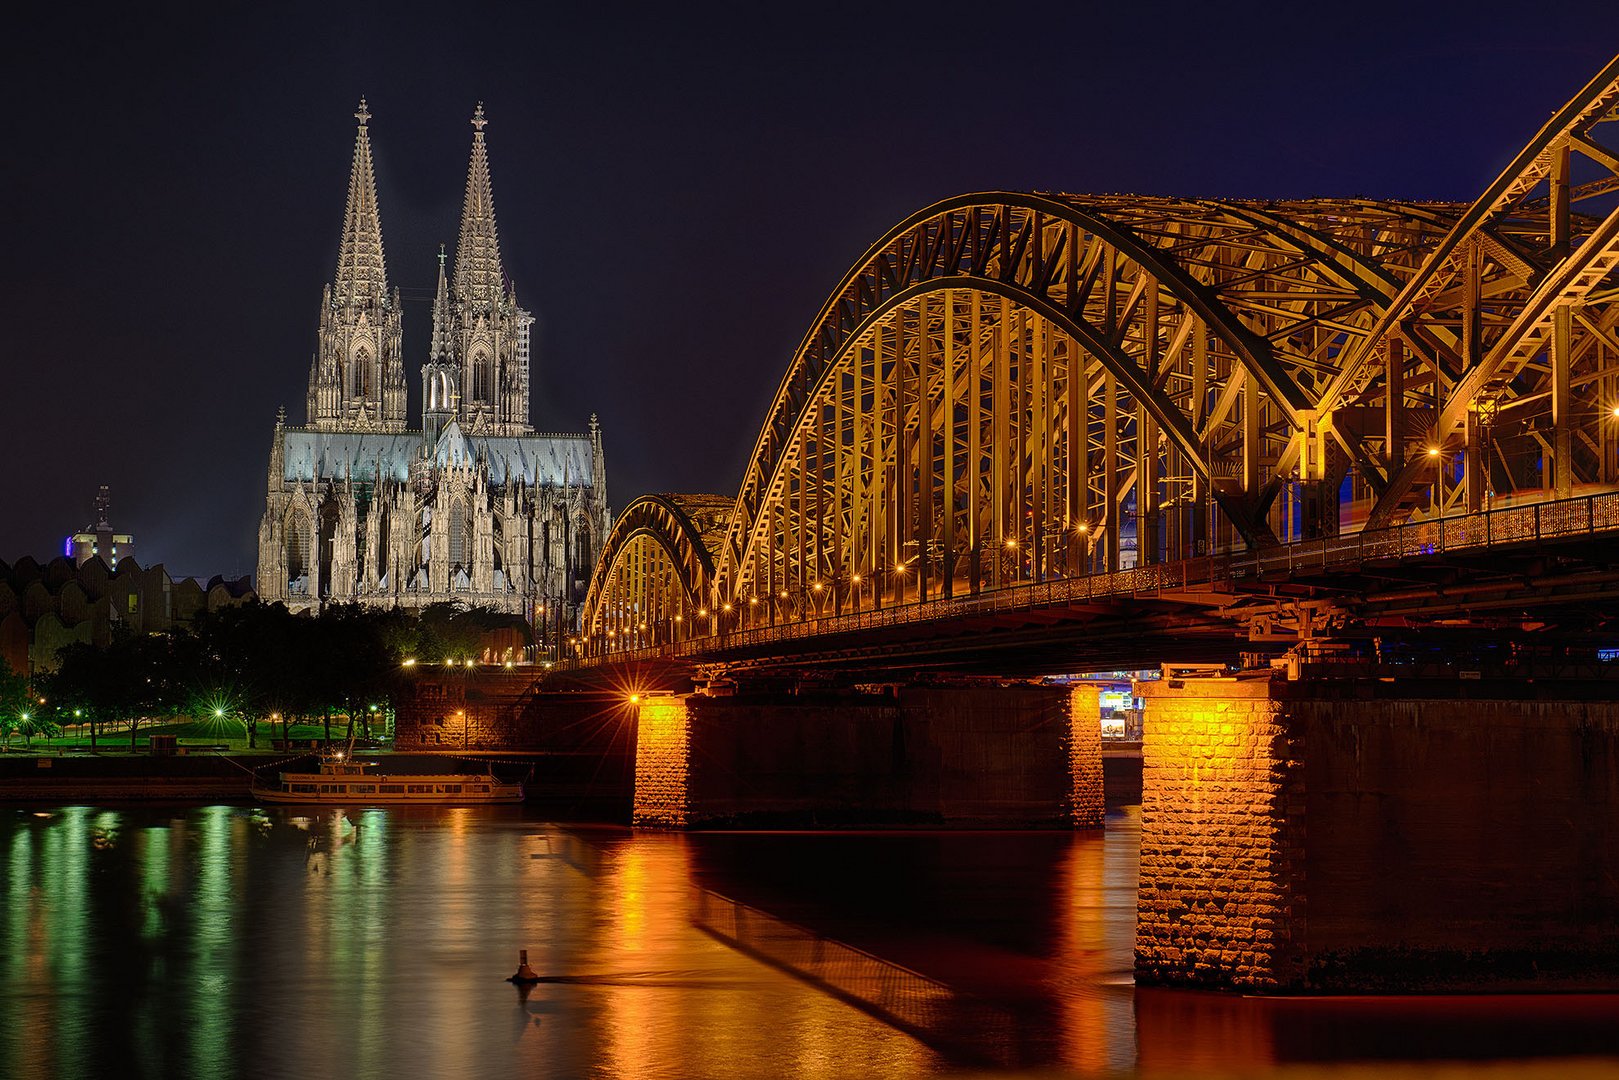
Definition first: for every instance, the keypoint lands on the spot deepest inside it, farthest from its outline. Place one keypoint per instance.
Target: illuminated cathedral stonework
(473, 506)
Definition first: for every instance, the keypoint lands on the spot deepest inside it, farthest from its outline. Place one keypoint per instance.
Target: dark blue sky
(677, 191)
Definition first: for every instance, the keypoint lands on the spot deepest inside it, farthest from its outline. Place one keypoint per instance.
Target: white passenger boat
(341, 780)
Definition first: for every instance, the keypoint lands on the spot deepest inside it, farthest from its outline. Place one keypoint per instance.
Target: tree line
(254, 664)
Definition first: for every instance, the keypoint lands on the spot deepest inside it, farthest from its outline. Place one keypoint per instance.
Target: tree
(72, 685)
(14, 702)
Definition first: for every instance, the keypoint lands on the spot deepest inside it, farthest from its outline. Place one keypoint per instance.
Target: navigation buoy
(525, 974)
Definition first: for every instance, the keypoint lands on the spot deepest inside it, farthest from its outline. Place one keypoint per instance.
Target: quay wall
(581, 745)
(44, 777)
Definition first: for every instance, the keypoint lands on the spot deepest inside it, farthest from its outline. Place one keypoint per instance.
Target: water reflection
(229, 941)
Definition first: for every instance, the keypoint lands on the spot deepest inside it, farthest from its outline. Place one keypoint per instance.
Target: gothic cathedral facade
(473, 506)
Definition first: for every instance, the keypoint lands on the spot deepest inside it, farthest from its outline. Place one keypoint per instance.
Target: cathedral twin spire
(362, 271)
(478, 277)
(477, 364)
(357, 379)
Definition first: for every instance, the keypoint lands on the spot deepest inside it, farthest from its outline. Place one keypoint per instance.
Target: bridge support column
(1019, 755)
(1379, 836)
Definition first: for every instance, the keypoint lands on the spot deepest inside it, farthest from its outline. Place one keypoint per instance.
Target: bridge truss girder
(1072, 361)
(656, 570)
(1012, 386)
(1496, 368)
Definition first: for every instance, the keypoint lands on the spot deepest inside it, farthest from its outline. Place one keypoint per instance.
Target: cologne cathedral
(472, 506)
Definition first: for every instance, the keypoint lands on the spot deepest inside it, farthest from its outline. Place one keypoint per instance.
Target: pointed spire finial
(362, 272)
(478, 275)
(439, 350)
(281, 417)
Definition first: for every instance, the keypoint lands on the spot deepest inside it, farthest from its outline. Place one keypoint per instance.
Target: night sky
(677, 190)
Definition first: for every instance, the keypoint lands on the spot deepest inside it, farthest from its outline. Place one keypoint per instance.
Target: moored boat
(342, 780)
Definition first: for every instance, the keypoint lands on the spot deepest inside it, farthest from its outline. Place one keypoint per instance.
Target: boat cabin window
(363, 789)
(392, 789)
(419, 789)
(450, 789)
(308, 789)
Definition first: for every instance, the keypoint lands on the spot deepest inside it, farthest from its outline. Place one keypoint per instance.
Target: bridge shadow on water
(1014, 951)
(962, 1028)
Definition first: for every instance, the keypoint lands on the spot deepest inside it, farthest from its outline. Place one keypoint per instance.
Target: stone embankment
(50, 777)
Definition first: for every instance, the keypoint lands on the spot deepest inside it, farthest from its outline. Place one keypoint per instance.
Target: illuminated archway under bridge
(1011, 388)
(654, 579)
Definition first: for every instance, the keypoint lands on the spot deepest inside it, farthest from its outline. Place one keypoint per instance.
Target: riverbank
(565, 787)
(59, 777)
(573, 787)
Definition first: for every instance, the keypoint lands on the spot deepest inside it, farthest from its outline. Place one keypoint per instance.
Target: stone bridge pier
(1377, 835)
(947, 755)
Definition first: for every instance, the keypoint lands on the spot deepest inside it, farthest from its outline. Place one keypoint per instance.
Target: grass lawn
(229, 733)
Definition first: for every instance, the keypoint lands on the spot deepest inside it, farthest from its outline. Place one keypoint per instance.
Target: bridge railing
(1498, 527)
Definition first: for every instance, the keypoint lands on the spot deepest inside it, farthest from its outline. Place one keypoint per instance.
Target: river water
(229, 941)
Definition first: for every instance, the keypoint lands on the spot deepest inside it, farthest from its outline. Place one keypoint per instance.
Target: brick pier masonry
(1001, 755)
(1369, 835)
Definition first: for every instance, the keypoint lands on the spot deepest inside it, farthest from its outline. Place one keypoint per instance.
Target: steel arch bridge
(1011, 388)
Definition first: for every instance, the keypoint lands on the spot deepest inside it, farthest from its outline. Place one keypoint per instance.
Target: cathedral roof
(535, 460)
(361, 270)
(478, 276)
(337, 455)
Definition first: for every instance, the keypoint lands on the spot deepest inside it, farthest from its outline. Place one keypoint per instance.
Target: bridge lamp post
(1436, 456)
(855, 581)
(1614, 413)
(819, 589)
(726, 609)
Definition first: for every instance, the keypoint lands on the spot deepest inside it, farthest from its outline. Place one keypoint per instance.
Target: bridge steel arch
(653, 580)
(1501, 354)
(1011, 386)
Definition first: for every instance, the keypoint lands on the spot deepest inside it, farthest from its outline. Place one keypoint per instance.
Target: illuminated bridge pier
(1419, 834)
(1017, 755)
